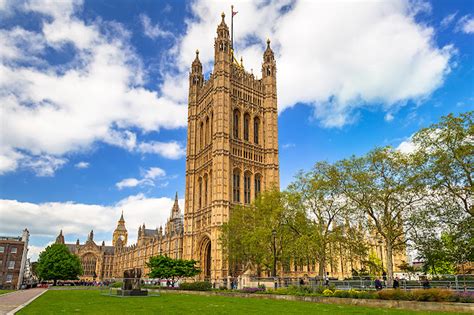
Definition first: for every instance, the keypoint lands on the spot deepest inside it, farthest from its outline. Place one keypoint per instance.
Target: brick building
(13, 259)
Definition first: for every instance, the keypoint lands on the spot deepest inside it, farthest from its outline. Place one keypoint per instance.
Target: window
(9, 278)
(236, 186)
(258, 185)
(247, 188)
(13, 251)
(11, 264)
(236, 124)
(201, 131)
(246, 127)
(256, 129)
(2, 249)
(205, 190)
(206, 137)
(200, 193)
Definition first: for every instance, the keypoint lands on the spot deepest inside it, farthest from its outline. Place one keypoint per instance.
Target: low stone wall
(407, 305)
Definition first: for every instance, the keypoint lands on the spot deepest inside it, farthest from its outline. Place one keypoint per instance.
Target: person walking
(378, 284)
(396, 283)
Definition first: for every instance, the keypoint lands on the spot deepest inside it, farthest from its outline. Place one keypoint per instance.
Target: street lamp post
(274, 252)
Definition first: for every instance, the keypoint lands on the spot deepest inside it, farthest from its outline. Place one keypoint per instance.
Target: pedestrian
(301, 281)
(378, 284)
(426, 283)
(326, 279)
(396, 283)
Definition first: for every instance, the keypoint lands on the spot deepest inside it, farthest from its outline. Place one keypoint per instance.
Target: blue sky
(93, 95)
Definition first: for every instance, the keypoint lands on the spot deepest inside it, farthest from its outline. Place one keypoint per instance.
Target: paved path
(8, 302)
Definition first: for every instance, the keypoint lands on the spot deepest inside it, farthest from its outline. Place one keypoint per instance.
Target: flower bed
(422, 295)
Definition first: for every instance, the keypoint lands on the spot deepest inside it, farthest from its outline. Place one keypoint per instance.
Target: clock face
(122, 237)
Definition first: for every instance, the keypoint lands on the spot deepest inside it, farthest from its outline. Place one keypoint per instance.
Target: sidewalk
(10, 301)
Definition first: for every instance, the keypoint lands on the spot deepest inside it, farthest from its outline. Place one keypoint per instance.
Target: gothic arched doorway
(205, 258)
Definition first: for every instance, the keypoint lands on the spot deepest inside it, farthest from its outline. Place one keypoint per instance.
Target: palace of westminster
(232, 155)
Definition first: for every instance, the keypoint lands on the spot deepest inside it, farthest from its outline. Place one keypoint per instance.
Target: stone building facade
(13, 260)
(232, 155)
(102, 262)
(232, 149)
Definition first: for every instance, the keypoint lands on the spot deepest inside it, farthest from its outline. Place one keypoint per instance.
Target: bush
(341, 294)
(196, 286)
(252, 290)
(222, 288)
(117, 284)
(327, 292)
(396, 294)
(433, 295)
(465, 297)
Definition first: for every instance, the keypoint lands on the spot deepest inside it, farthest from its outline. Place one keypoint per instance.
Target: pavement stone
(9, 302)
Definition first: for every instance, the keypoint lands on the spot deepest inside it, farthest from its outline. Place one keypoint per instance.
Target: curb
(13, 312)
(5, 294)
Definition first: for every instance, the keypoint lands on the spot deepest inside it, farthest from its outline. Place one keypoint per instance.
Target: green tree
(444, 234)
(164, 267)
(384, 185)
(448, 147)
(56, 262)
(322, 203)
(258, 234)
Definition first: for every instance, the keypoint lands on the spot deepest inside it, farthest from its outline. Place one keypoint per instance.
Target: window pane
(13, 250)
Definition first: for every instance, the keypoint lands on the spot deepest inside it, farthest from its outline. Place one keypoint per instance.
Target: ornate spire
(175, 211)
(91, 236)
(121, 218)
(60, 238)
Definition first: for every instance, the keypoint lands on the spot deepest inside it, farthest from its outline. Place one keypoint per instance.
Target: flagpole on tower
(232, 27)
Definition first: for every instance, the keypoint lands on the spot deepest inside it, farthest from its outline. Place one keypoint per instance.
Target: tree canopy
(164, 267)
(56, 262)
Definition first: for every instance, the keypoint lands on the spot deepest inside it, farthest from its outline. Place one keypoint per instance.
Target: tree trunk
(54, 282)
(389, 252)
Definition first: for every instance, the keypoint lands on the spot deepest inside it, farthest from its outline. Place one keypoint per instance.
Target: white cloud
(46, 219)
(448, 19)
(337, 56)
(45, 165)
(407, 146)
(153, 31)
(466, 24)
(53, 110)
(128, 182)
(82, 164)
(171, 150)
(389, 117)
(149, 178)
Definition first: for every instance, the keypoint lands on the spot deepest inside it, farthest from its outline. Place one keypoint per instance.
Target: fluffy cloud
(466, 24)
(46, 219)
(153, 31)
(82, 164)
(171, 150)
(337, 56)
(149, 178)
(50, 110)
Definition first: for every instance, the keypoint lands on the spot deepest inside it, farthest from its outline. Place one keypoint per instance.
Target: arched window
(236, 124)
(205, 190)
(201, 135)
(206, 132)
(247, 187)
(257, 184)
(200, 193)
(246, 126)
(236, 185)
(256, 129)
(212, 130)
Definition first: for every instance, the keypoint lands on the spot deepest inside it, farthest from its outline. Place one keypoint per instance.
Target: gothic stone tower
(232, 151)
(120, 232)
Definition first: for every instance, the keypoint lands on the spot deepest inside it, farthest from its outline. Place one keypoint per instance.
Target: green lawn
(91, 302)
(5, 291)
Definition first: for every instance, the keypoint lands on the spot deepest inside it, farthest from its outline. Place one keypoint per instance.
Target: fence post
(457, 282)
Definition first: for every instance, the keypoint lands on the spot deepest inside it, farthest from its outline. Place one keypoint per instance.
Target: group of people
(378, 284)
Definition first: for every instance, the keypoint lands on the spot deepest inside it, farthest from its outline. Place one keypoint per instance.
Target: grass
(91, 302)
(5, 291)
